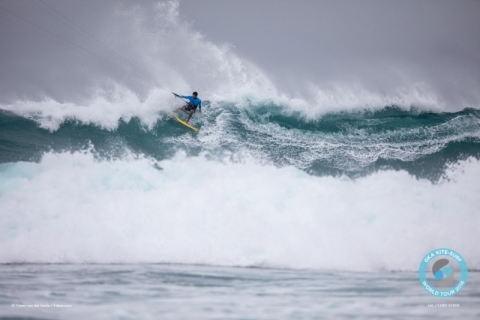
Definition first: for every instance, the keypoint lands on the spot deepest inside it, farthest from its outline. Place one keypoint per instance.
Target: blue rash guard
(195, 102)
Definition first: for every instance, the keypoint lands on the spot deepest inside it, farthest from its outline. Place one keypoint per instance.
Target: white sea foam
(70, 207)
(181, 59)
(352, 149)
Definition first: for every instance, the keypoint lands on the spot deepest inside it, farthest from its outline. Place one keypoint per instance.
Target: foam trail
(72, 208)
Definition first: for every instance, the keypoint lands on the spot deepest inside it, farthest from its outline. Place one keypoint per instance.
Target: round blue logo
(443, 273)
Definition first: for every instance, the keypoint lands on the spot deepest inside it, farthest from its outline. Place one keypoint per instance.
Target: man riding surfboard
(191, 105)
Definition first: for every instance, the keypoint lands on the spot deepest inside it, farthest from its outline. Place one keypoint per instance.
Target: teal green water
(349, 143)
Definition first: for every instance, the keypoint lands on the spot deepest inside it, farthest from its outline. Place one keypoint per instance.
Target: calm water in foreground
(204, 292)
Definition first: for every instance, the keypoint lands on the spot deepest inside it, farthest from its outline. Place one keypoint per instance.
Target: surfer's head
(195, 94)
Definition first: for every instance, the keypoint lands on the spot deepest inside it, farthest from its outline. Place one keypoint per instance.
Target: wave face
(344, 143)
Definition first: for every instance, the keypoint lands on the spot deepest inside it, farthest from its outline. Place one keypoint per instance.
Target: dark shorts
(190, 107)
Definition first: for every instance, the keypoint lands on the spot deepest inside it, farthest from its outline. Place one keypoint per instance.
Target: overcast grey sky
(375, 42)
(380, 44)
(328, 35)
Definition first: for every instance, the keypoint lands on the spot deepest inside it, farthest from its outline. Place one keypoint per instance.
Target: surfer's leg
(190, 114)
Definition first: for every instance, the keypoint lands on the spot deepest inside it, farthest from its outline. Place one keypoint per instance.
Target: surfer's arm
(200, 107)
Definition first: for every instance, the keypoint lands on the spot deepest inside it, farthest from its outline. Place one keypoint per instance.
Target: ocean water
(261, 215)
(156, 291)
(283, 206)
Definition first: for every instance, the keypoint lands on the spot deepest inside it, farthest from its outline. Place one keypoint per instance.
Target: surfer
(192, 105)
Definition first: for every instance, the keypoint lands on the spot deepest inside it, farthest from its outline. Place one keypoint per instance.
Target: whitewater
(73, 208)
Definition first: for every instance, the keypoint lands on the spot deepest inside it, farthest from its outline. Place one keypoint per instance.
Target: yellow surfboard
(184, 123)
